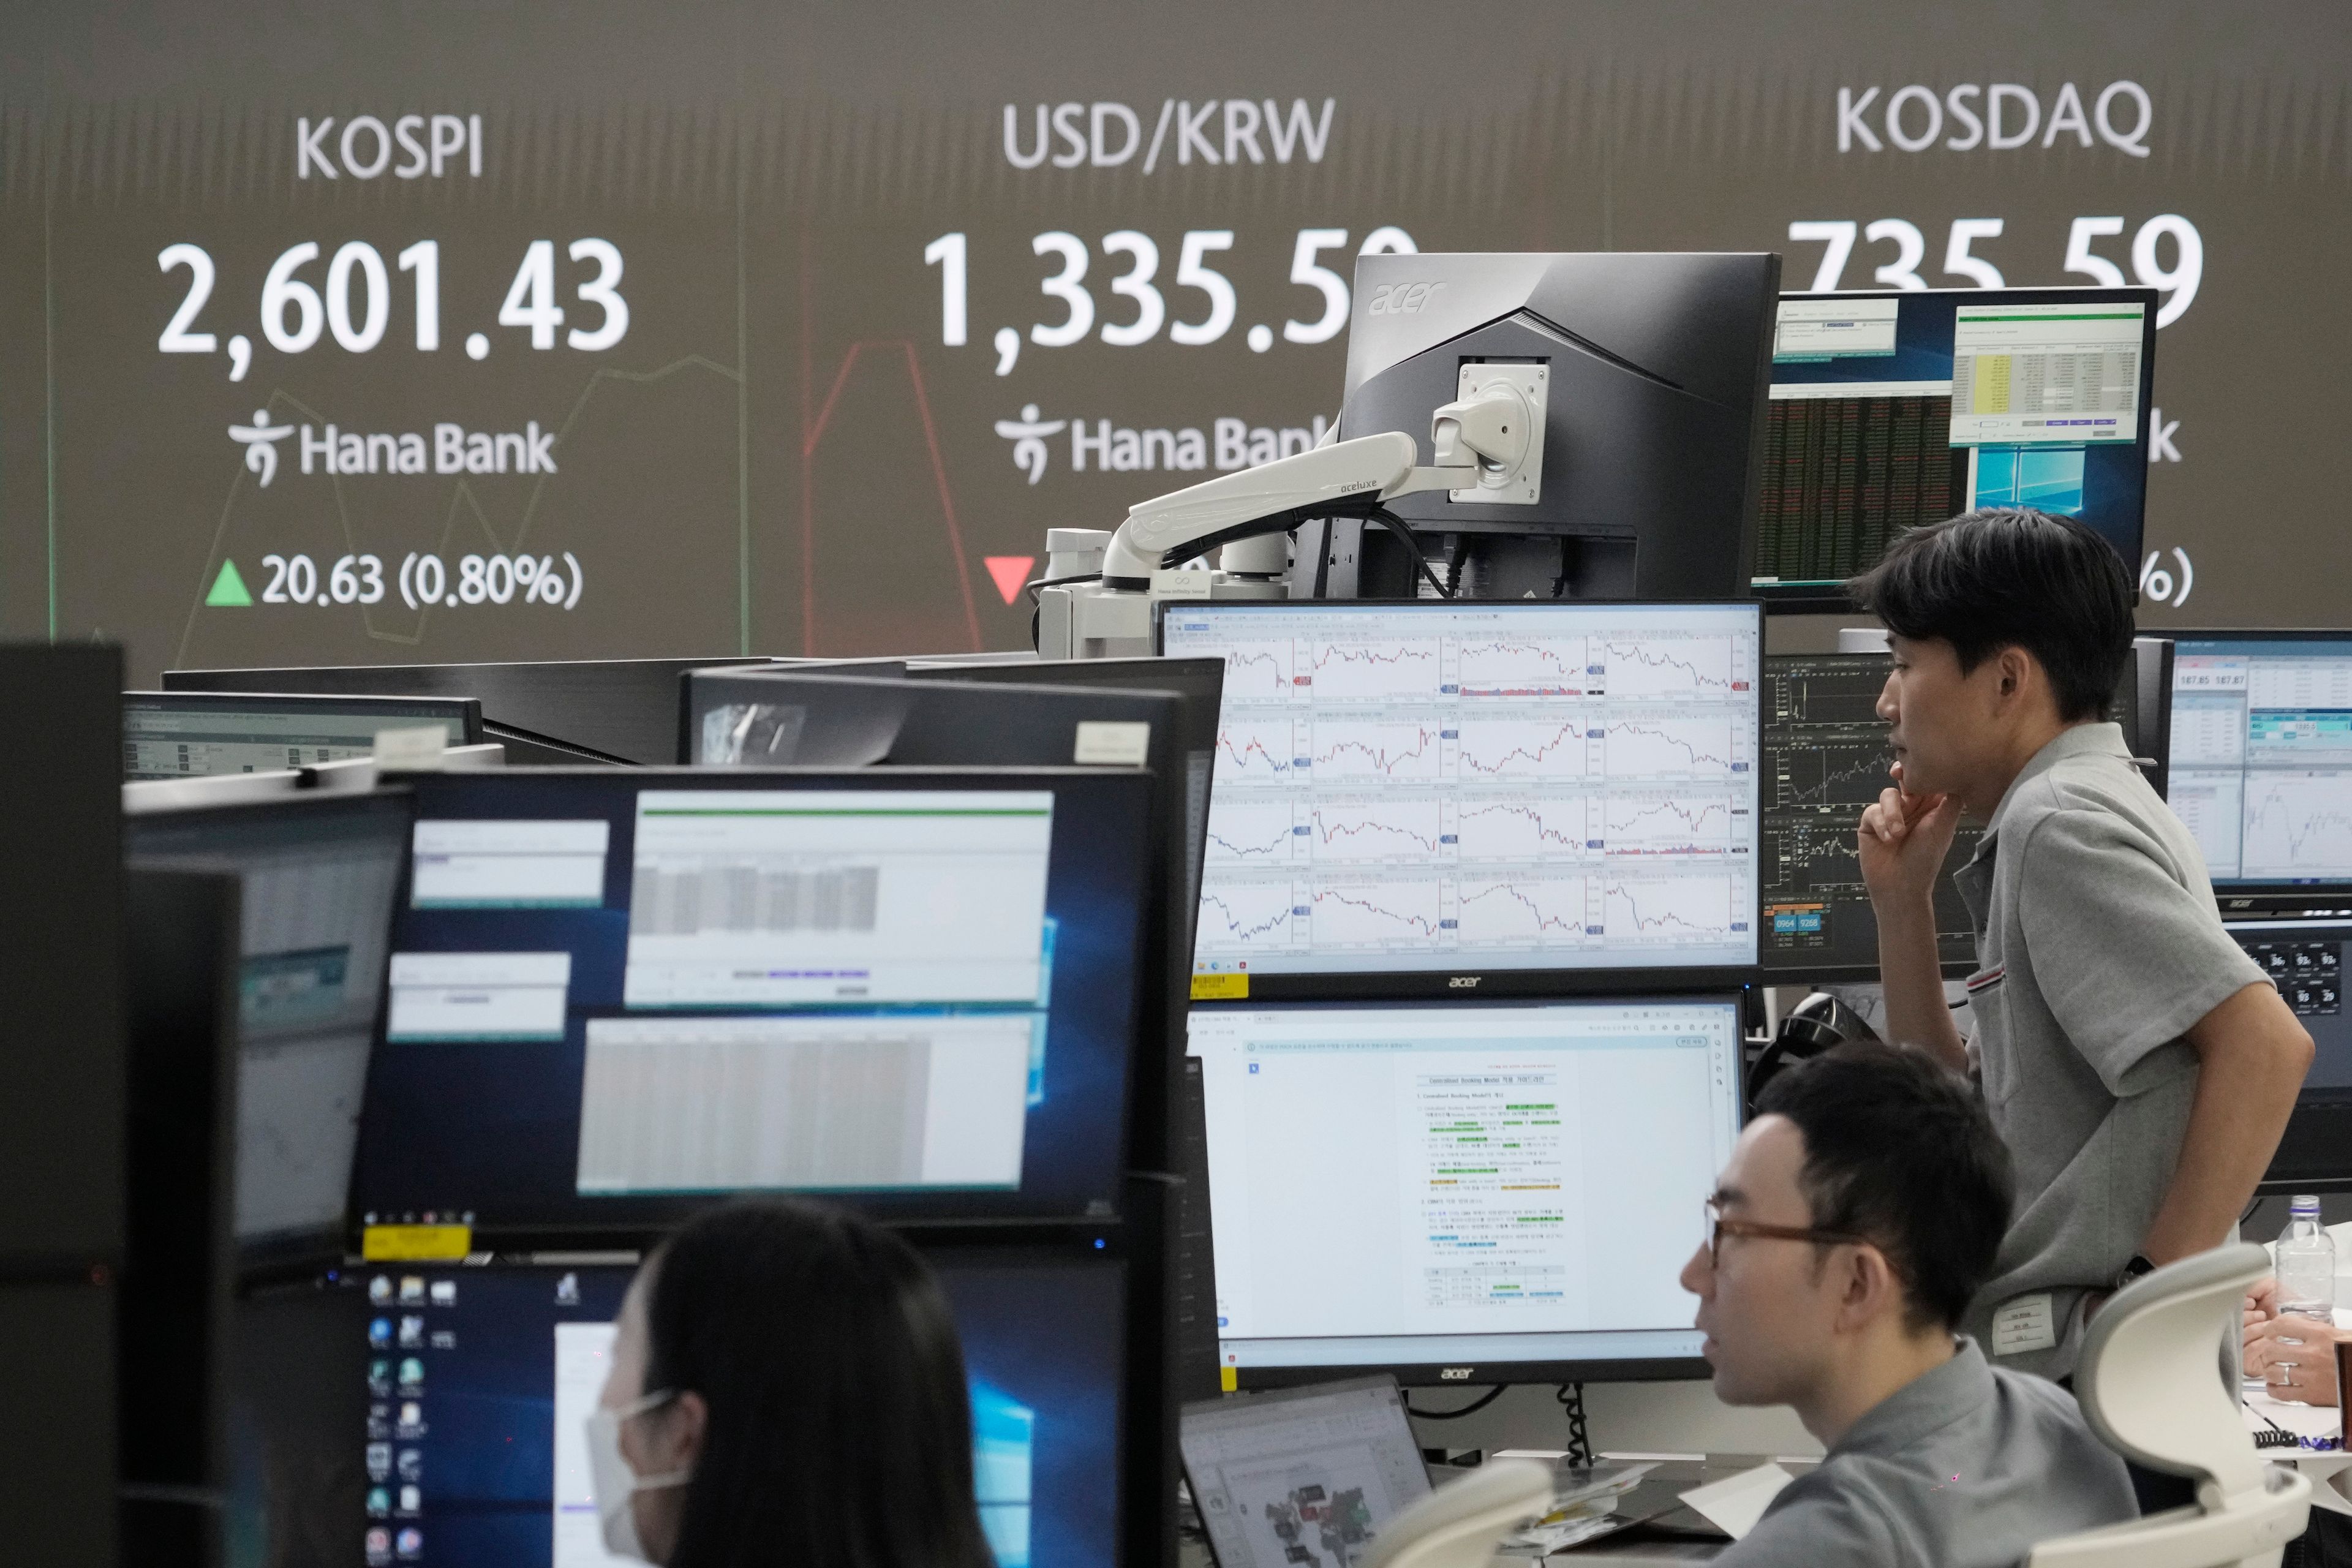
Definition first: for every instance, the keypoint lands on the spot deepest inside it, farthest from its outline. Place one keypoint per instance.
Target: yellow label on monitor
(415, 1243)
(1229, 1378)
(1220, 987)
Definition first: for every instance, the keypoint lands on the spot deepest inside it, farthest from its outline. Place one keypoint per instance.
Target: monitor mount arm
(1484, 433)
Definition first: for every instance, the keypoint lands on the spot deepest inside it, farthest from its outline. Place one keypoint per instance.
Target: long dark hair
(840, 1428)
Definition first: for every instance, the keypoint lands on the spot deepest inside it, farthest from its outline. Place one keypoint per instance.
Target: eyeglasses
(1717, 1228)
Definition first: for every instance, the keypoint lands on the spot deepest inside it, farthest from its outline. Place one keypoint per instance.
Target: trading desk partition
(1547, 796)
(617, 996)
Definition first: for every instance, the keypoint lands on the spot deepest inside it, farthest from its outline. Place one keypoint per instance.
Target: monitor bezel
(2266, 897)
(1311, 985)
(1817, 598)
(650, 1217)
(1436, 1374)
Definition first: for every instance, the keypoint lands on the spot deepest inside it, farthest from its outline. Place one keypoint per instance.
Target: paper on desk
(1734, 1505)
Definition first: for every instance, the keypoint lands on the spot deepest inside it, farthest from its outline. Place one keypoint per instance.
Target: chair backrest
(1460, 1525)
(2148, 1380)
(2150, 1388)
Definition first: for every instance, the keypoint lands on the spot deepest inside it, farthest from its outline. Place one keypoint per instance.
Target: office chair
(1459, 1525)
(2150, 1388)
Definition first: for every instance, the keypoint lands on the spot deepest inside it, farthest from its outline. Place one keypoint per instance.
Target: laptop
(1304, 1478)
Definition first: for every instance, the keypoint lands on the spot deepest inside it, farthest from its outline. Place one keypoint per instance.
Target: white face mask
(615, 1483)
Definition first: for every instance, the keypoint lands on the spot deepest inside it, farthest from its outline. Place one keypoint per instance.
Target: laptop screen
(1305, 1479)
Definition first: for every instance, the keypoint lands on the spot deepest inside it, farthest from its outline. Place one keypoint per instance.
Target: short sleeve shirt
(1968, 1466)
(2098, 947)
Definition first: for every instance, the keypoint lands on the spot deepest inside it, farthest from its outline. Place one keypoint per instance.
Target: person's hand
(2294, 1355)
(1902, 844)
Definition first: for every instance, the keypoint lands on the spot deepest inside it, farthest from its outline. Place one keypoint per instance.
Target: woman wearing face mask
(786, 1388)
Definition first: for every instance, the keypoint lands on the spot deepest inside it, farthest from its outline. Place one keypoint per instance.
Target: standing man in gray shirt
(2138, 1064)
(1859, 1213)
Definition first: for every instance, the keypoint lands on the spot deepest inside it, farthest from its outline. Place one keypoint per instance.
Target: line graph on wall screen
(1445, 785)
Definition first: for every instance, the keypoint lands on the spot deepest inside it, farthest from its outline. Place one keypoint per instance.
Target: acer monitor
(1428, 797)
(1650, 372)
(1463, 1191)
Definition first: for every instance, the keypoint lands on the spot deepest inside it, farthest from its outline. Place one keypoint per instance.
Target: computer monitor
(1198, 683)
(617, 996)
(1650, 372)
(1306, 1475)
(1463, 1192)
(481, 1381)
(2305, 959)
(1898, 408)
(2262, 762)
(1539, 795)
(558, 712)
(318, 874)
(181, 735)
(1825, 758)
(774, 717)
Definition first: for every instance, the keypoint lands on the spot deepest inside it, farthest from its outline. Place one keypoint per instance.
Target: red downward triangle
(1010, 572)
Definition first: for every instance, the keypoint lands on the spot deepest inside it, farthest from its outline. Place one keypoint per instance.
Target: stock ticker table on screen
(1892, 409)
(614, 996)
(2261, 755)
(1404, 787)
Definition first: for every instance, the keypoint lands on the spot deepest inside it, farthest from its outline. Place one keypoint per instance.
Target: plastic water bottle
(2306, 1263)
(2306, 1275)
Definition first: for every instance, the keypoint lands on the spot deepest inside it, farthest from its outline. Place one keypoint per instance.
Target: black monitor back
(172, 1332)
(61, 1098)
(561, 711)
(1656, 366)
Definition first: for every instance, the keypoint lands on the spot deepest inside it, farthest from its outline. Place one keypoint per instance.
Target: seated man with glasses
(1860, 1210)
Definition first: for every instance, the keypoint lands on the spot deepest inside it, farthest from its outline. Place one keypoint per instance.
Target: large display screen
(1891, 410)
(1493, 1183)
(481, 1382)
(2261, 755)
(614, 994)
(1403, 787)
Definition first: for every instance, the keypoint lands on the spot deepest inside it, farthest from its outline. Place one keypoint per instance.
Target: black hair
(2007, 577)
(1900, 1150)
(840, 1427)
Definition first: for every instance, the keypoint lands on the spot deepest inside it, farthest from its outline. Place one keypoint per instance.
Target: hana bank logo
(1028, 435)
(260, 440)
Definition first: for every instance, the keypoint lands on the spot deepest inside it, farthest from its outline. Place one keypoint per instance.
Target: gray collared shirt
(2098, 946)
(1969, 1466)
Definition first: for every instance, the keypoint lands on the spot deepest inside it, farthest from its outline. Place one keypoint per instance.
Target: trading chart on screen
(1403, 787)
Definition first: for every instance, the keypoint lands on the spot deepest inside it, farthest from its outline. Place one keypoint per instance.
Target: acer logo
(1402, 299)
(1465, 982)
(1455, 1374)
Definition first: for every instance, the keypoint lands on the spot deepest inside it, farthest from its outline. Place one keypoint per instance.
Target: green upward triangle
(228, 589)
